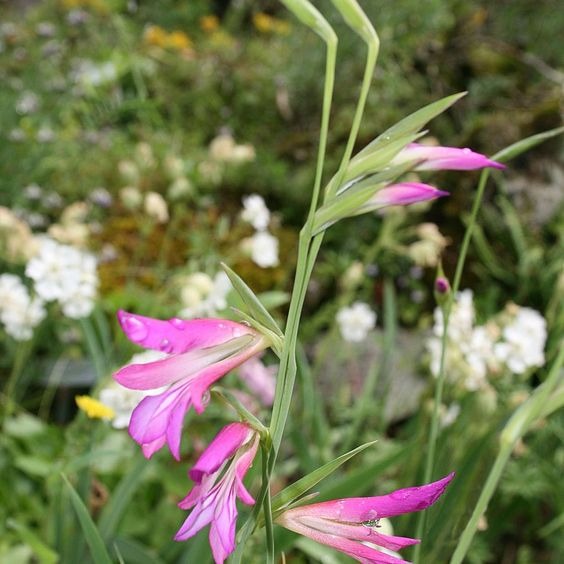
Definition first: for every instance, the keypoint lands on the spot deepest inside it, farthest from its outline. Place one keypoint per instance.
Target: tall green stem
(435, 419)
(516, 428)
(22, 352)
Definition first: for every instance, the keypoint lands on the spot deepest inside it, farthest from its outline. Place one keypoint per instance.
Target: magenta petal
(223, 446)
(164, 372)
(178, 335)
(445, 158)
(405, 193)
(151, 419)
(150, 448)
(199, 517)
(363, 509)
(357, 550)
(222, 530)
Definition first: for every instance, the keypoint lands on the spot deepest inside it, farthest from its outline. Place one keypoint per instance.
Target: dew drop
(135, 329)
(165, 346)
(178, 323)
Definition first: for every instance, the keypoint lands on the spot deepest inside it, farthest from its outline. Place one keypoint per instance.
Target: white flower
(28, 103)
(64, 274)
(156, 207)
(523, 341)
(19, 313)
(356, 321)
(204, 297)
(255, 212)
(264, 249)
(461, 318)
(449, 415)
(122, 400)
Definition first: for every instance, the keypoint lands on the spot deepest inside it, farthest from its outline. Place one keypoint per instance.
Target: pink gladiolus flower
(351, 525)
(402, 194)
(201, 352)
(219, 474)
(443, 158)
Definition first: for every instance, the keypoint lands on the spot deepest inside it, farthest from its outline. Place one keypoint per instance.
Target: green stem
(22, 352)
(93, 345)
(516, 427)
(435, 419)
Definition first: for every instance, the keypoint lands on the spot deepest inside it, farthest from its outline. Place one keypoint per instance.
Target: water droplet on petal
(135, 329)
(178, 323)
(165, 346)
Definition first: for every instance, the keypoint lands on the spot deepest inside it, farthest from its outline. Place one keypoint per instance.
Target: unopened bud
(442, 286)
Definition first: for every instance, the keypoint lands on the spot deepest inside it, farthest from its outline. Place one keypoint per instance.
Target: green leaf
(256, 309)
(132, 551)
(297, 489)
(97, 548)
(44, 553)
(379, 158)
(411, 124)
(120, 498)
(524, 145)
(353, 200)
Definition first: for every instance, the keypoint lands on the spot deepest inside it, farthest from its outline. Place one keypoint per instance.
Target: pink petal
(358, 532)
(223, 447)
(364, 509)
(357, 550)
(164, 372)
(403, 194)
(178, 335)
(158, 418)
(222, 530)
(199, 517)
(445, 158)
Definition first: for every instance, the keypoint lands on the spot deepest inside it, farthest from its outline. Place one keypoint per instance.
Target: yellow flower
(94, 408)
(178, 40)
(155, 35)
(267, 24)
(209, 24)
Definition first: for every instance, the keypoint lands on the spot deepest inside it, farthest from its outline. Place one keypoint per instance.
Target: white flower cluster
(262, 246)
(122, 401)
(512, 342)
(522, 344)
(64, 274)
(203, 296)
(19, 312)
(356, 321)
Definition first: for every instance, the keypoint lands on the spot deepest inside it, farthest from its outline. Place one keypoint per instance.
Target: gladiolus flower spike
(351, 525)
(218, 475)
(201, 352)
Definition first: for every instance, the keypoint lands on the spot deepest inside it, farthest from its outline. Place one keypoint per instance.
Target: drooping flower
(351, 525)
(201, 352)
(433, 157)
(218, 475)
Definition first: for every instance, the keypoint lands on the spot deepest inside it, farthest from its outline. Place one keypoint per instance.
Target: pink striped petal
(356, 531)
(169, 370)
(357, 550)
(178, 335)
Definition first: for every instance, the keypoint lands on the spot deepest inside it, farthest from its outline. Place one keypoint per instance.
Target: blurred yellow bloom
(267, 24)
(156, 36)
(209, 24)
(178, 40)
(99, 6)
(94, 408)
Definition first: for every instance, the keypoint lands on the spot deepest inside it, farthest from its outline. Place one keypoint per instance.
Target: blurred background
(135, 132)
